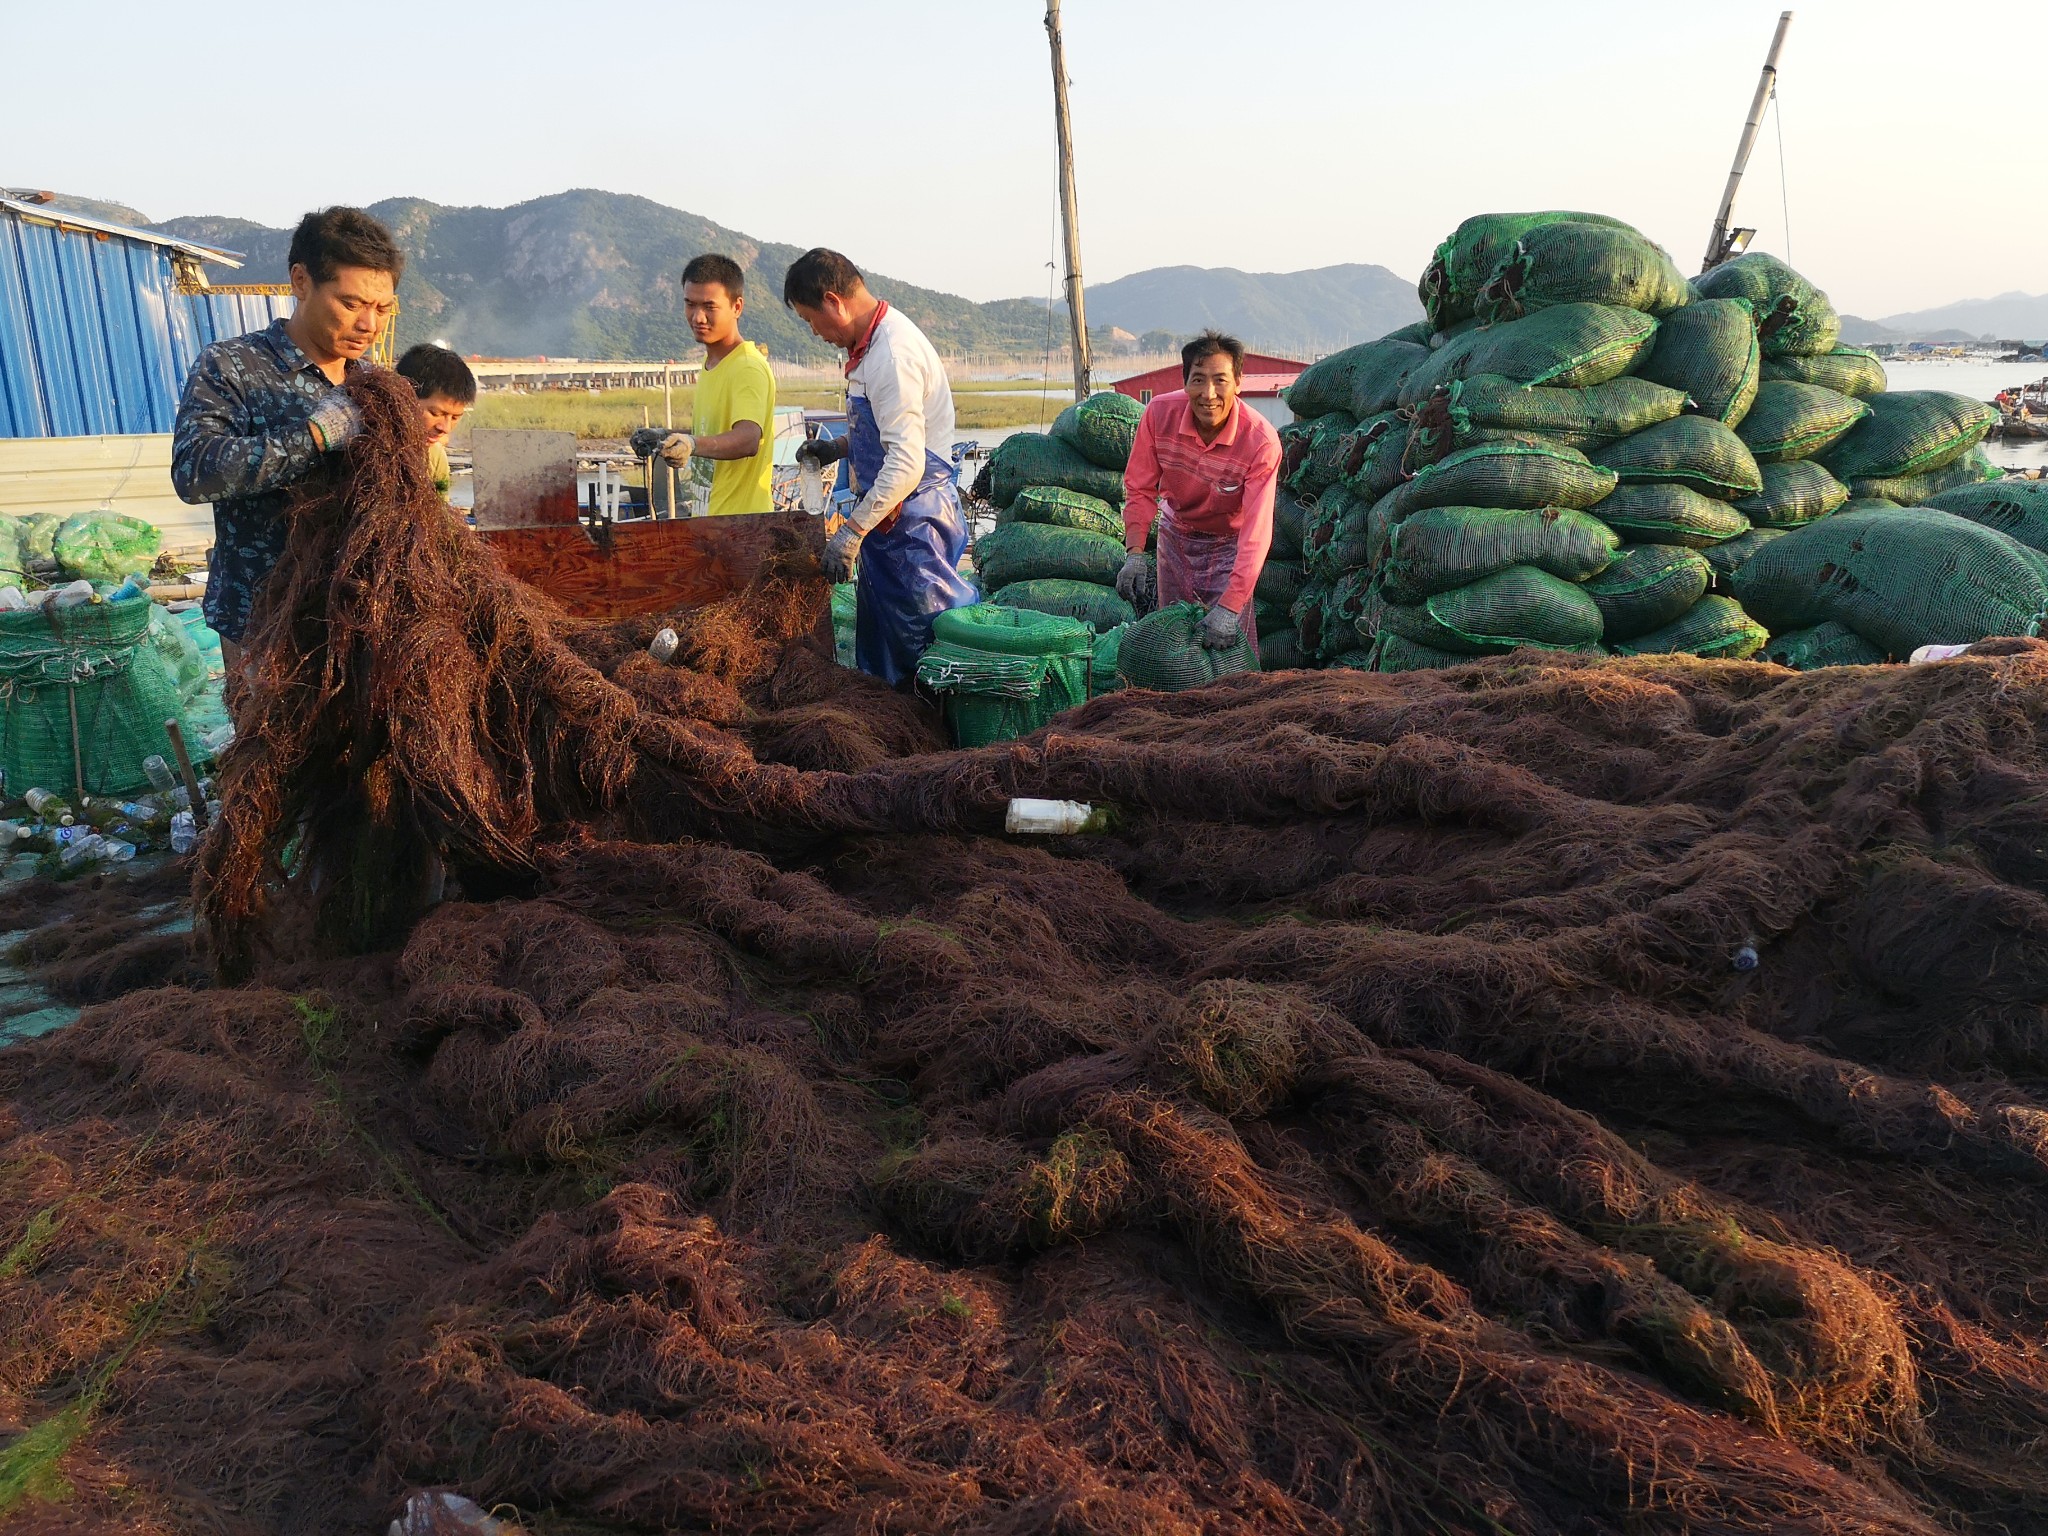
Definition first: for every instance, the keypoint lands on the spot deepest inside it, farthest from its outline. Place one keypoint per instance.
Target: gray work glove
(840, 552)
(822, 451)
(1220, 628)
(335, 420)
(671, 446)
(1134, 582)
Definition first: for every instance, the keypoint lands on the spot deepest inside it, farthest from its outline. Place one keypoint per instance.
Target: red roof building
(1264, 377)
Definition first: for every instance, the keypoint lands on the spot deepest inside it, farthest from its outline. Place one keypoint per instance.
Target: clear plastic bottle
(218, 740)
(12, 600)
(72, 594)
(184, 835)
(48, 808)
(80, 852)
(159, 774)
(117, 850)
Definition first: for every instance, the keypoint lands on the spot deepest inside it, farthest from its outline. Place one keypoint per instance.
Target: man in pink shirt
(1207, 467)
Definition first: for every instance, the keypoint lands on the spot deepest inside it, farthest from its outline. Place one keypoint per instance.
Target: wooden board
(646, 566)
(129, 474)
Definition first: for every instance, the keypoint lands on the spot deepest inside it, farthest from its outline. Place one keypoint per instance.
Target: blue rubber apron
(910, 565)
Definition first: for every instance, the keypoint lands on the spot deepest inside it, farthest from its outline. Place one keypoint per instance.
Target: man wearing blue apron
(906, 529)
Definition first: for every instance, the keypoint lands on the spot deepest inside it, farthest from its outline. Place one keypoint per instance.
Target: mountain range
(594, 274)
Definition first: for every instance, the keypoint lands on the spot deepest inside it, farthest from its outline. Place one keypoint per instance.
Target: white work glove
(335, 420)
(841, 550)
(1220, 628)
(1134, 581)
(670, 446)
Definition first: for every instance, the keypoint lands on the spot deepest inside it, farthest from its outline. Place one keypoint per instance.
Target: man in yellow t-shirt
(734, 422)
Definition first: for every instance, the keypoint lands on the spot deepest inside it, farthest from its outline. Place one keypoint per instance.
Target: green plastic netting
(1281, 651)
(1102, 677)
(1439, 548)
(1793, 316)
(1362, 380)
(992, 696)
(1910, 433)
(1654, 513)
(1694, 451)
(1057, 507)
(1794, 495)
(1796, 421)
(2013, 506)
(1163, 651)
(1726, 559)
(1290, 523)
(1373, 466)
(1572, 346)
(1577, 418)
(1273, 617)
(100, 658)
(1518, 606)
(1973, 468)
(1647, 587)
(1010, 631)
(1280, 581)
(1101, 428)
(1314, 452)
(845, 603)
(38, 536)
(1713, 626)
(1025, 459)
(1847, 370)
(105, 546)
(1090, 602)
(1450, 284)
(1013, 552)
(1901, 577)
(14, 564)
(1308, 614)
(1395, 653)
(1517, 475)
(1709, 350)
(1351, 610)
(1337, 534)
(1824, 645)
(1581, 263)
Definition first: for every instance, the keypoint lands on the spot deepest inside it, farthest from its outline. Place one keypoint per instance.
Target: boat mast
(1069, 220)
(1724, 243)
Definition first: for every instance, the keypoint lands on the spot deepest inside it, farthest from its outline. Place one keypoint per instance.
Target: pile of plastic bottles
(107, 829)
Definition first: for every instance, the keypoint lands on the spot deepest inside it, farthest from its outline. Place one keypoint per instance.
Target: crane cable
(1784, 190)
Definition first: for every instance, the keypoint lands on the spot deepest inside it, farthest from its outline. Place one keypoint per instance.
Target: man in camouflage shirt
(260, 410)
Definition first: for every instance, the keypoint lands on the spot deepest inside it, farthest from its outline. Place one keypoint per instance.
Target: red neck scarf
(867, 338)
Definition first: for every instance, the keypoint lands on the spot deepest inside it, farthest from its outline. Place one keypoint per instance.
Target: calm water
(1980, 381)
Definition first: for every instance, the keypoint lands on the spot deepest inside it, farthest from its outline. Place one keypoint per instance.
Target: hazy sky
(917, 135)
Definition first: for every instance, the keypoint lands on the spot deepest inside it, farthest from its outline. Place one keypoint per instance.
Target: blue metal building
(99, 323)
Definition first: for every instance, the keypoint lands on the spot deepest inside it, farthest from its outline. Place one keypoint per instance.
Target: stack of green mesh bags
(1579, 449)
(1059, 536)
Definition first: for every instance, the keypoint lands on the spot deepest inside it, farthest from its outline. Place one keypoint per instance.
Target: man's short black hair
(334, 238)
(437, 371)
(717, 269)
(1208, 344)
(817, 273)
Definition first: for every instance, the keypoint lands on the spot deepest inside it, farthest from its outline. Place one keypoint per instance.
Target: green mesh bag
(1337, 532)
(1101, 428)
(1308, 615)
(1973, 468)
(1514, 475)
(14, 564)
(1164, 652)
(1352, 608)
(1102, 677)
(1696, 452)
(1025, 459)
(1417, 331)
(1572, 346)
(1710, 352)
(1577, 418)
(1375, 463)
(990, 692)
(1088, 601)
(1846, 370)
(1281, 651)
(844, 605)
(1518, 606)
(1824, 645)
(1794, 495)
(1439, 548)
(1273, 617)
(1910, 433)
(1313, 453)
(1393, 653)
(1901, 577)
(1726, 559)
(1796, 421)
(1280, 581)
(1579, 263)
(98, 657)
(1670, 514)
(1010, 630)
(1013, 552)
(1362, 380)
(1713, 626)
(1290, 523)
(1056, 507)
(1647, 587)
(2016, 507)
(1462, 264)
(38, 536)
(105, 546)
(1793, 316)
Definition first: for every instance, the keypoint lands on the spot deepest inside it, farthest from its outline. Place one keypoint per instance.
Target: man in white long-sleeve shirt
(906, 529)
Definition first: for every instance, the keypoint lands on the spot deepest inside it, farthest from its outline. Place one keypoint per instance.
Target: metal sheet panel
(95, 338)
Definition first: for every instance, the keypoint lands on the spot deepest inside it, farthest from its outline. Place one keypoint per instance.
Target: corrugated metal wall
(94, 336)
